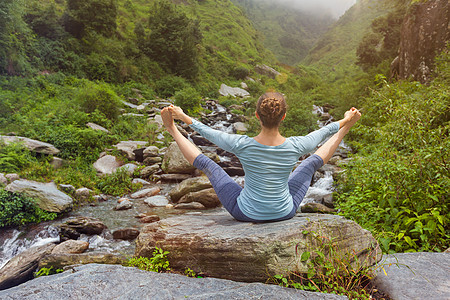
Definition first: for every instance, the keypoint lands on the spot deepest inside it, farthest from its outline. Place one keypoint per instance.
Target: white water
(16, 245)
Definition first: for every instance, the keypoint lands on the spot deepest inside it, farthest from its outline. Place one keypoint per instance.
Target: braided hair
(271, 108)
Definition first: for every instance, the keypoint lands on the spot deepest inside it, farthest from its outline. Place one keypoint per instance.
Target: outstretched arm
(223, 140)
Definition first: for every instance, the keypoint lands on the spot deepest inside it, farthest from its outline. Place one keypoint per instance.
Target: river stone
(71, 246)
(152, 160)
(149, 219)
(225, 248)
(85, 225)
(189, 185)
(148, 171)
(97, 127)
(12, 177)
(419, 275)
(104, 282)
(57, 162)
(174, 161)
(125, 234)
(128, 147)
(140, 181)
(129, 168)
(124, 205)
(21, 267)
(32, 145)
(239, 126)
(146, 193)
(226, 90)
(316, 208)
(3, 179)
(207, 197)
(59, 261)
(174, 177)
(156, 201)
(151, 151)
(83, 193)
(47, 195)
(190, 205)
(107, 164)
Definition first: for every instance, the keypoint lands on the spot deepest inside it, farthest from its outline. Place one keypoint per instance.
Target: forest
(64, 63)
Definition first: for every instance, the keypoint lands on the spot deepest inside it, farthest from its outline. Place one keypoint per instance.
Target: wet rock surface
(415, 276)
(222, 247)
(118, 282)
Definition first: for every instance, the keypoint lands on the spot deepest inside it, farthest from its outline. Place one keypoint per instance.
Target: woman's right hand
(177, 113)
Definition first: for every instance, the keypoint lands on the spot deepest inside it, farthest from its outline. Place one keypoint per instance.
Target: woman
(271, 192)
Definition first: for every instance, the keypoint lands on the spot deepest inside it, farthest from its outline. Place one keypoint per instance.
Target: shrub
(14, 157)
(240, 73)
(16, 210)
(169, 85)
(188, 99)
(117, 183)
(100, 97)
(157, 263)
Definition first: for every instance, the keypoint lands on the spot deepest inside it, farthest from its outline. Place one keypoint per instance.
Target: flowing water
(13, 242)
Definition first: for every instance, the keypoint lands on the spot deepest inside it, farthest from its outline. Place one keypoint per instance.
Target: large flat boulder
(21, 267)
(47, 195)
(222, 247)
(117, 282)
(32, 145)
(419, 275)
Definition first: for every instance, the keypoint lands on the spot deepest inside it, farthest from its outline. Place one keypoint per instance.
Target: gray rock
(84, 225)
(189, 185)
(316, 208)
(148, 171)
(83, 194)
(12, 177)
(133, 115)
(118, 282)
(174, 177)
(152, 160)
(141, 181)
(97, 127)
(129, 168)
(32, 145)
(107, 164)
(239, 126)
(225, 248)
(47, 195)
(21, 267)
(151, 151)
(207, 197)
(414, 276)
(124, 205)
(149, 192)
(190, 205)
(266, 70)
(156, 201)
(57, 162)
(127, 147)
(226, 90)
(3, 179)
(130, 105)
(244, 85)
(59, 261)
(174, 161)
(71, 246)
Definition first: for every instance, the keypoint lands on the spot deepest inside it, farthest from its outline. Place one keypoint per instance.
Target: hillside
(337, 47)
(288, 32)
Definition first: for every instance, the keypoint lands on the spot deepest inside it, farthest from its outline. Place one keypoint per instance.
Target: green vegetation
(17, 210)
(14, 157)
(47, 271)
(330, 270)
(157, 263)
(400, 176)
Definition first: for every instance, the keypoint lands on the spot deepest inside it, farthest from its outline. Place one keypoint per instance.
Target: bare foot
(352, 115)
(167, 119)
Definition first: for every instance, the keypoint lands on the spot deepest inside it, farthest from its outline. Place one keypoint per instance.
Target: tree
(173, 39)
(83, 16)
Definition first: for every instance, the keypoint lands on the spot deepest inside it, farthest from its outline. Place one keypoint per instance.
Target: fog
(334, 7)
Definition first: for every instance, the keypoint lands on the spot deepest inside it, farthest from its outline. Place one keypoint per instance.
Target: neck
(270, 137)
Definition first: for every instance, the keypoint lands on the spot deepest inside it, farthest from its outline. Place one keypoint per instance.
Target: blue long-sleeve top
(267, 168)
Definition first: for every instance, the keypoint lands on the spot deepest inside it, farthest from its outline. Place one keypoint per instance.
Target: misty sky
(335, 7)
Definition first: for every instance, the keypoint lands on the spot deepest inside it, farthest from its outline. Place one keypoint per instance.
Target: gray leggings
(228, 190)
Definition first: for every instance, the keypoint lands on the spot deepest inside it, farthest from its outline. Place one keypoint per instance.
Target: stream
(13, 241)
